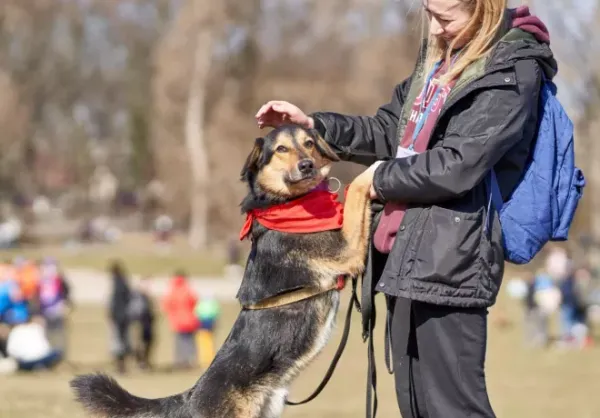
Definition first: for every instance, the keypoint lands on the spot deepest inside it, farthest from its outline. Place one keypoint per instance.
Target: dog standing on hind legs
(290, 295)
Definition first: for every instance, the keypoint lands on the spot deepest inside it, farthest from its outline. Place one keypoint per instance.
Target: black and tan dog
(289, 294)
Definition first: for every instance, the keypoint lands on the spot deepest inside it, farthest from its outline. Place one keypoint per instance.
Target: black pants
(121, 348)
(439, 355)
(145, 345)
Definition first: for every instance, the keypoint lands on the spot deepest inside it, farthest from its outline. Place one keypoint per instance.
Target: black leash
(388, 332)
(340, 350)
(366, 307)
(368, 325)
(373, 271)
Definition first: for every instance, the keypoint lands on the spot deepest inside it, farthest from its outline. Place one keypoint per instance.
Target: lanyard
(424, 114)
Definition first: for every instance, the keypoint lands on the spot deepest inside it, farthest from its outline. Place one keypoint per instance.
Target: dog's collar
(296, 296)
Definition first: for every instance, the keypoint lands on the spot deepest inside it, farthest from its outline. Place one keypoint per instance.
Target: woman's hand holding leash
(276, 112)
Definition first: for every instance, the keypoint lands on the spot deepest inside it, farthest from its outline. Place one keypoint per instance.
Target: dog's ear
(324, 148)
(251, 164)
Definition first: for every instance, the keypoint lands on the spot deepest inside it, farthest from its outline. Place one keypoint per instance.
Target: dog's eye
(281, 148)
(309, 144)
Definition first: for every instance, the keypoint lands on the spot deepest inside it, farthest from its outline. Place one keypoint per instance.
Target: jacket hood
(524, 20)
(524, 36)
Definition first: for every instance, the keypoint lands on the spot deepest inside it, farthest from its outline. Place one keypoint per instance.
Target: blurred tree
(166, 89)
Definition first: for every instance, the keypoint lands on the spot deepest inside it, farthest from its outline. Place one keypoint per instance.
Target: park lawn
(138, 252)
(522, 382)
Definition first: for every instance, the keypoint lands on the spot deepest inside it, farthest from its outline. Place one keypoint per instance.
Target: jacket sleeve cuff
(378, 181)
(319, 125)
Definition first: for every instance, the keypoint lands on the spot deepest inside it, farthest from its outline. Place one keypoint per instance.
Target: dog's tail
(102, 396)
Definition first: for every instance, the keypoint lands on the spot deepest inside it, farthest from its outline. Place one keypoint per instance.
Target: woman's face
(447, 18)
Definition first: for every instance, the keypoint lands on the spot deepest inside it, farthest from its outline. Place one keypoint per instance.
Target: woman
(119, 316)
(480, 71)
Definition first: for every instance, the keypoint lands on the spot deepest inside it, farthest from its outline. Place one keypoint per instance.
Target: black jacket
(120, 299)
(441, 253)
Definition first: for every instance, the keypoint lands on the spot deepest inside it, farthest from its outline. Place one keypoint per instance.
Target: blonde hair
(486, 20)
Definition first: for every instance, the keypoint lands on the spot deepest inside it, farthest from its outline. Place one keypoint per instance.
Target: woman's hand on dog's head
(276, 113)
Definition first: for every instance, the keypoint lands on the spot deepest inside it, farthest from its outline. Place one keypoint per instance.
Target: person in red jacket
(178, 304)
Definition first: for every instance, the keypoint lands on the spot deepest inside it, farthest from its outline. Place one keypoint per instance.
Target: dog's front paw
(356, 264)
(362, 182)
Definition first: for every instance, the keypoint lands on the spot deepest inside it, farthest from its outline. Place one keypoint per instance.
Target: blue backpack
(542, 206)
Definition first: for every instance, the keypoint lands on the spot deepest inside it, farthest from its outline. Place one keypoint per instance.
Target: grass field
(138, 252)
(522, 382)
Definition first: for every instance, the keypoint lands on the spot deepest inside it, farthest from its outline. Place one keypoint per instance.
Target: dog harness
(296, 295)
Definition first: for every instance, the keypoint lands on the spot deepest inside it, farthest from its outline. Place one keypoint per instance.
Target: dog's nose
(306, 166)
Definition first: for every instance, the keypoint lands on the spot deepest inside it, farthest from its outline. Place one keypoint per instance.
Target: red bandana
(314, 212)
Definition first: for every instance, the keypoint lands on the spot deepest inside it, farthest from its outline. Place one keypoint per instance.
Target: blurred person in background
(7, 365)
(28, 277)
(28, 345)
(583, 285)
(163, 229)
(119, 316)
(4, 331)
(5, 291)
(543, 300)
(559, 266)
(5, 304)
(141, 312)
(573, 309)
(179, 304)
(429, 155)
(17, 309)
(207, 311)
(54, 303)
(234, 269)
(536, 318)
(558, 263)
